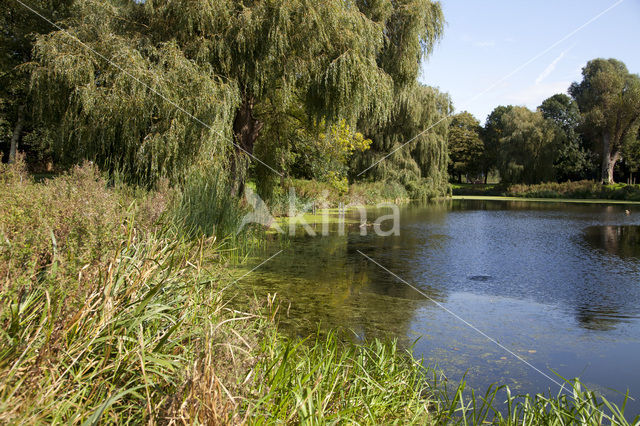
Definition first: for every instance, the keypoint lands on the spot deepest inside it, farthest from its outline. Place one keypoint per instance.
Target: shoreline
(542, 200)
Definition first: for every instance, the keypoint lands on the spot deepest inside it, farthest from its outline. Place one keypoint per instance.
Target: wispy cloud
(477, 43)
(533, 95)
(551, 67)
(487, 43)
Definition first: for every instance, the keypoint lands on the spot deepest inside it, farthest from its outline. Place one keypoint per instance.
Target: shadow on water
(623, 241)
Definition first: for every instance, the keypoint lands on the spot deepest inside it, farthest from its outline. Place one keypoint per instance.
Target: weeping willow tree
(419, 163)
(18, 25)
(126, 101)
(168, 83)
(322, 55)
(412, 28)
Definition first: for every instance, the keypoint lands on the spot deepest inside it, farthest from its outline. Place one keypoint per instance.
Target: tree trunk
(246, 129)
(612, 165)
(17, 131)
(609, 159)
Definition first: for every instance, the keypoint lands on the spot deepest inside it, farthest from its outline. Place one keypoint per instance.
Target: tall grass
(110, 315)
(206, 206)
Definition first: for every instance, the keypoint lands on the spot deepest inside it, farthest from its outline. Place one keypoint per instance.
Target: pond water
(556, 284)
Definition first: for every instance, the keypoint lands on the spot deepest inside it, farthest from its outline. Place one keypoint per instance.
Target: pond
(556, 284)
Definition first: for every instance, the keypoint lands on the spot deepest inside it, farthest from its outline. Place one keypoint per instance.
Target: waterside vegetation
(139, 326)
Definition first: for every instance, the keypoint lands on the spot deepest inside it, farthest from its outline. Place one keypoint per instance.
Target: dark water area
(556, 284)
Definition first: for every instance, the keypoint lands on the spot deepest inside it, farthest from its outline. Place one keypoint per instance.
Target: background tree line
(592, 134)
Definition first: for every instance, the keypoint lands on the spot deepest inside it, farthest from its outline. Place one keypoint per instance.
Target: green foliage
(631, 153)
(333, 150)
(528, 147)
(148, 113)
(574, 160)
(421, 164)
(18, 26)
(585, 189)
(265, 47)
(188, 76)
(325, 195)
(300, 383)
(204, 205)
(609, 100)
(465, 146)
(58, 226)
(144, 332)
(492, 133)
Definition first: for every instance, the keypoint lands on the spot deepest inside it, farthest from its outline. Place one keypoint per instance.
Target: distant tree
(492, 133)
(573, 158)
(631, 156)
(465, 146)
(528, 147)
(609, 100)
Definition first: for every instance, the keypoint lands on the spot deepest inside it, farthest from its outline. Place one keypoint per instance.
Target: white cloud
(477, 43)
(551, 67)
(487, 43)
(533, 96)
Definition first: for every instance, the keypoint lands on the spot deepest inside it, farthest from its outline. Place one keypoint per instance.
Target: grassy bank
(113, 310)
(542, 200)
(587, 190)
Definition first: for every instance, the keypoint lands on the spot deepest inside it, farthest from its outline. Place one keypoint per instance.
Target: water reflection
(325, 281)
(623, 241)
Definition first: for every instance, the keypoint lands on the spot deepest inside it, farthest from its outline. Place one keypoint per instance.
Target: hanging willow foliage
(322, 51)
(240, 67)
(339, 60)
(420, 164)
(140, 108)
(412, 28)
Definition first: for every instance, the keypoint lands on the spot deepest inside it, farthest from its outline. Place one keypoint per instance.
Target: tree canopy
(152, 88)
(528, 147)
(325, 90)
(465, 146)
(572, 162)
(18, 28)
(609, 100)
(411, 148)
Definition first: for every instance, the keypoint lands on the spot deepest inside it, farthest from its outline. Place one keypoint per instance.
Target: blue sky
(486, 40)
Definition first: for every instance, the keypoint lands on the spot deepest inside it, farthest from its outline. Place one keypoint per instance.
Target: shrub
(57, 227)
(582, 189)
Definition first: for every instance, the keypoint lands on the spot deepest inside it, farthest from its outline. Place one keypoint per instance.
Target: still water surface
(557, 284)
